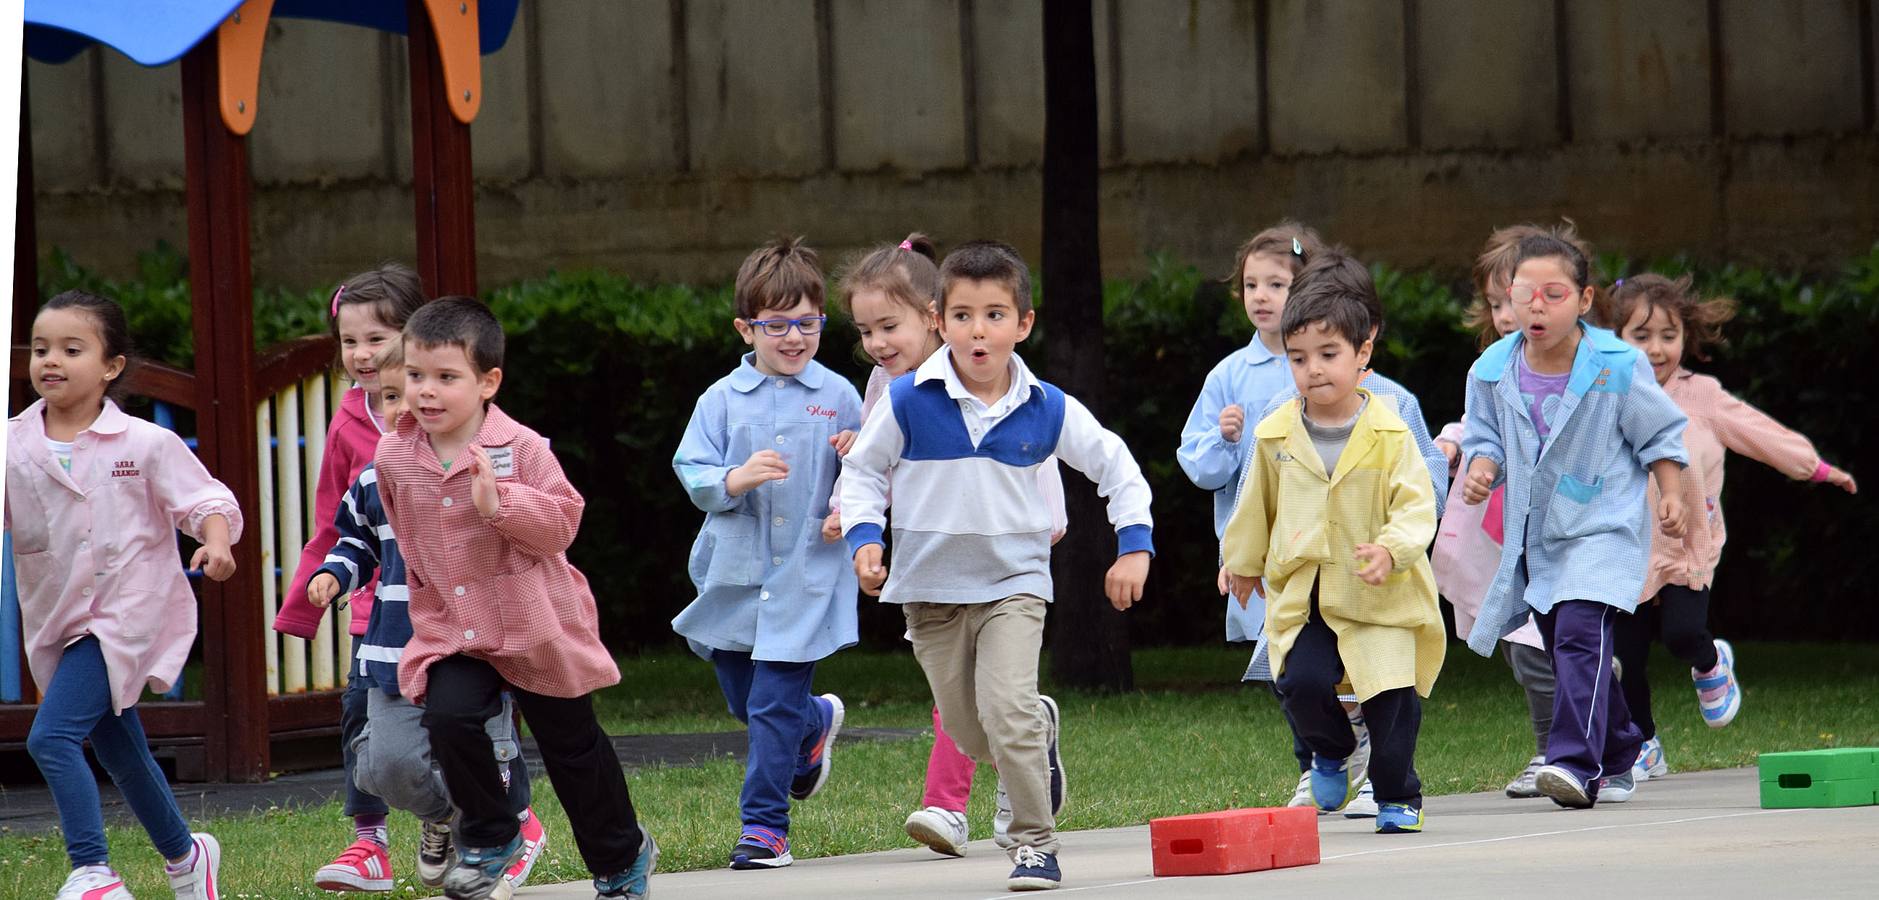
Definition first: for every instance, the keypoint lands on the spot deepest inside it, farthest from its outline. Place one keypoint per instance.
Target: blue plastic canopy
(158, 32)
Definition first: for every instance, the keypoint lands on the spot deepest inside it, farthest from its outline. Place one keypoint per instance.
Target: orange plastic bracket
(238, 59)
(454, 22)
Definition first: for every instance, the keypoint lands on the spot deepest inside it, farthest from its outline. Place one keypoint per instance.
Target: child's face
(896, 337)
(1325, 367)
(68, 365)
(1264, 284)
(1501, 306)
(790, 353)
(362, 337)
(1547, 302)
(391, 394)
(981, 326)
(1659, 333)
(444, 389)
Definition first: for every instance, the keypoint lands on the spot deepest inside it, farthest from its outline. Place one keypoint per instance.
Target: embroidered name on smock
(125, 468)
(815, 410)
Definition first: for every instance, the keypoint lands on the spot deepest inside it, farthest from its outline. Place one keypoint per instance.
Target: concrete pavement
(1688, 835)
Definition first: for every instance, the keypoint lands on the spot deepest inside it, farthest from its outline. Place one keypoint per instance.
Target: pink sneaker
(534, 840)
(196, 880)
(364, 866)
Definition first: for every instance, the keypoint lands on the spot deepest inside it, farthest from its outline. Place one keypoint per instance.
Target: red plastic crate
(1237, 840)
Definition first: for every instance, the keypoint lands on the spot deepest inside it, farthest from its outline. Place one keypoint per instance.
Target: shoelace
(434, 843)
(1029, 858)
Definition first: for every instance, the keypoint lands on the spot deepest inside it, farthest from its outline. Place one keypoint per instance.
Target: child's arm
(539, 511)
(864, 494)
(701, 461)
(1410, 409)
(1481, 445)
(1098, 453)
(1756, 435)
(1050, 488)
(197, 504)
(1209, 458)
(354, 557)
(297, 616)
(1408, 524)
(1248, 535)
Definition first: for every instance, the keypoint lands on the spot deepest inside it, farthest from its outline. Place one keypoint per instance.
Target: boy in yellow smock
(1333, 529)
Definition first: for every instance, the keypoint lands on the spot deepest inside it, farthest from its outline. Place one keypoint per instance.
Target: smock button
(446, 502)
(469, 634)
(459, 590)
(778, 522)
(86, 592)
(781, 439)
(774, 560)
(764, 596)
(781, 383)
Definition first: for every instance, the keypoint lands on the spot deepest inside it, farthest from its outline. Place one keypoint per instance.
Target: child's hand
(483, 483)
(214, 559)
(1057, 535)
(842, 441)
(1377, 564)
(763, 466)
(1223, 582)
(1448, 450)
(322, 589)
(832, 527)
(868, 568)
(1232, 422)
(1843, 480)
(1244, 586)
(1123, 584)
(1670, 515)
(1480, 481)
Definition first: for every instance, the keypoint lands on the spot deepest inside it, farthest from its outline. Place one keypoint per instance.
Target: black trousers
(581, 764)
(1679, 618)
(1308, 693)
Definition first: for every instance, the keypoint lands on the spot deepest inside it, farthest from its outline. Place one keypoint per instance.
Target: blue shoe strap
(1712, 682)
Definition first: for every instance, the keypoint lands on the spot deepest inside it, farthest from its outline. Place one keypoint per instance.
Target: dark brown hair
(1279, 240)
(113, 330)
(776, 275)
(393, 290)
(1497, 263)
(1702, 319)
(459, 322)
(993, 261)
(907, 272)
(1337, 290)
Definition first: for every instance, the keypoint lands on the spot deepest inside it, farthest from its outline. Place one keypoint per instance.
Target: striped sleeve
(361, 524)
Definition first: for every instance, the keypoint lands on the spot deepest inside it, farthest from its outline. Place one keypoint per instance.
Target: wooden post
(441, 179)
(222, 306)
(25, 232)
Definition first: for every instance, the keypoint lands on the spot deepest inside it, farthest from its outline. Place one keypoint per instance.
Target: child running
(1212, 452)
(484, 517)
(760, 457)
(1336, 514)
(892, 293)
(393, 752)
(1667, 321)
(94, 500)
(967, 433)
(1568, 417)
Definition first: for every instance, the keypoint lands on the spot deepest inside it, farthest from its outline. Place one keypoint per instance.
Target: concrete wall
(665, 137)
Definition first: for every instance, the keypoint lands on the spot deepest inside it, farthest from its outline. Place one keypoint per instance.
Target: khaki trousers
(981, 661)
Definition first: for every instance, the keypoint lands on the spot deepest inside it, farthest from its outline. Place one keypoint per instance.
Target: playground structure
(260, 417)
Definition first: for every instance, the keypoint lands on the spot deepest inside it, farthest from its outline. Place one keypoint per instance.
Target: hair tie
(906, 245)
(336, 296)
(1619, 283)
(1298, 249)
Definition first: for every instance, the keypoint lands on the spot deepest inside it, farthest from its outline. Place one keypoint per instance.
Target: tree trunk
(1089, 640)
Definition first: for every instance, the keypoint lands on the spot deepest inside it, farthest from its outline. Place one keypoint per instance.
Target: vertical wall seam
(1867, 111)
(969, 81)
(1562, 72)
(1412, 80)
(1114, 41)
(825, 78)
(680, 80)
(1718, 113)
(537, 148)
(1262, 104)
(100, 116)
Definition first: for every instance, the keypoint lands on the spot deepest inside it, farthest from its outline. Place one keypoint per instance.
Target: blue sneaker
(1651, 762)
(1718, 694)
(1331, 785)
(1035, 871)
(761, 848)
(1057, 789)
(479, 870)
(634, 883)
(813, 771)
(1617, 788)
(1398, 818)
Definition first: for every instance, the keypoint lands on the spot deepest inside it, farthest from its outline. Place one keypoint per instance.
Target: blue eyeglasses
(808, 325)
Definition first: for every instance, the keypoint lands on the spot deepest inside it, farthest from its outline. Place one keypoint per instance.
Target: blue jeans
(773, 699)
(352, 718)
(78, 705)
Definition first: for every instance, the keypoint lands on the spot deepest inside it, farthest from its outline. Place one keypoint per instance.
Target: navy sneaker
(634, 883)
(761, 848)
(1398, 818)
(812, 772)
(1035, 871)
(479, 870)
(1331, 785)
(1057, 789)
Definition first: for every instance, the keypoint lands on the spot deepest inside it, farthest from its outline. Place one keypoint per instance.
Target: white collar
(940, 365)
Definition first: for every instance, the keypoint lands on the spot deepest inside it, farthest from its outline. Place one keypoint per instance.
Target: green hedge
(610, 369)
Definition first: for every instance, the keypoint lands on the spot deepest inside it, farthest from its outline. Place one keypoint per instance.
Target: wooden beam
(222, 304)
(287, 362)
(442, 182)
(25, 229)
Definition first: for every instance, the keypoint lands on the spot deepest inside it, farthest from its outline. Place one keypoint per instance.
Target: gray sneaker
(1617, 788)
(1522, 787)
(479, 870)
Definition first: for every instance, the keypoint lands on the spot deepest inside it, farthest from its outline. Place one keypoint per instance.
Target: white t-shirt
(61, 451)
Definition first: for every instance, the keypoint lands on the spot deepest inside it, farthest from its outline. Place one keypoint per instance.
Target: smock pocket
(1573, 512)
(731, 546)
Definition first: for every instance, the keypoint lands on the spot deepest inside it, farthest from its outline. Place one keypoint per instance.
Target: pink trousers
(948, 772)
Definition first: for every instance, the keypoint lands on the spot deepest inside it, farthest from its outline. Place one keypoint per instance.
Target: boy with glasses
(760, 458)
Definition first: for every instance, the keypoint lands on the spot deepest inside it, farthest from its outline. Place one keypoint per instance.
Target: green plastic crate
(1848, 776)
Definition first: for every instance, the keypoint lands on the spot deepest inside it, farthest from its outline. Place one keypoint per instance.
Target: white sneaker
(1302, 796)
(1001, 818)
(197, 881)
(1651, 763)
(1359, 763)
(941, 830)
(93, 883)
(1364, 806)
